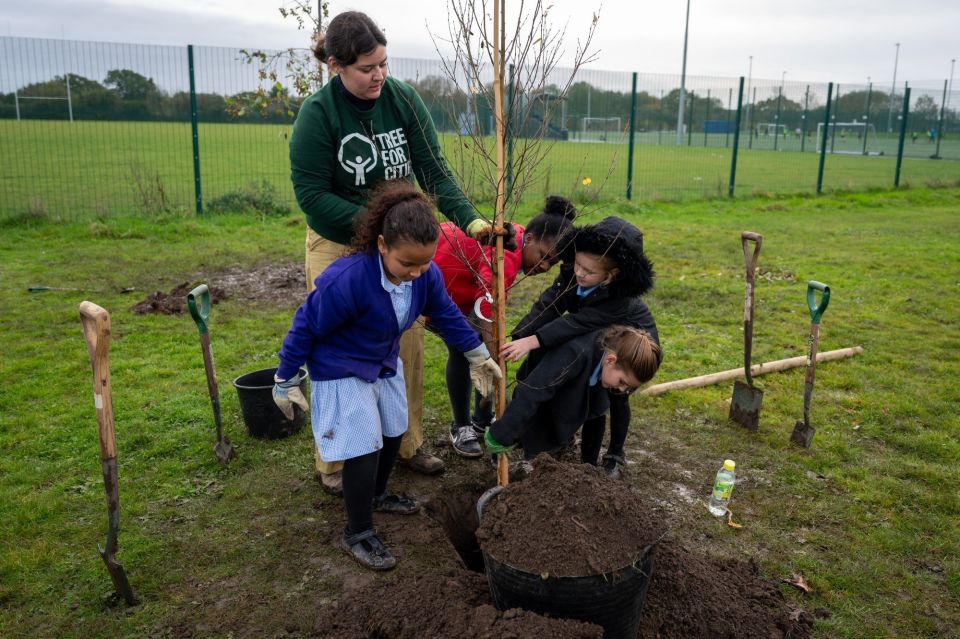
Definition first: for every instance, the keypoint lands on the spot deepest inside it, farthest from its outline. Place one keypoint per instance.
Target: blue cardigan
(347, 326)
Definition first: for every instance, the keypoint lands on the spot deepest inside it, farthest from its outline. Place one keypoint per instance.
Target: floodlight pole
(749, 111)
(950, 86)
(893, 87)
(683, 78)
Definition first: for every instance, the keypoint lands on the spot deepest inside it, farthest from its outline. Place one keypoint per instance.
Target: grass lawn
(869, 515)
(70, 171)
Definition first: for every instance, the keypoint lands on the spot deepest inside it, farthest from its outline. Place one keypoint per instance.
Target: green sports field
(868, 515)
(79, 170)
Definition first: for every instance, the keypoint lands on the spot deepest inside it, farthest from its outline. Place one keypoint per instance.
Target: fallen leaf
(796, 580)
(730, 521)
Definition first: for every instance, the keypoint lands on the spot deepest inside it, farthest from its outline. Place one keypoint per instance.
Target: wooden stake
(499, 293)
(756, 369)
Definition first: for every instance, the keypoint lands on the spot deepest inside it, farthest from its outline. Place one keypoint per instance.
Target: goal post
(771, 129)
(601, 129)
(857, 138)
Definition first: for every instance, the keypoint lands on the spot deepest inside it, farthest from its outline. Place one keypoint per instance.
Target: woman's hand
(518, 349)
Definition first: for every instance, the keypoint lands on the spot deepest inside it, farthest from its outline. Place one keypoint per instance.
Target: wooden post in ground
(499, 293)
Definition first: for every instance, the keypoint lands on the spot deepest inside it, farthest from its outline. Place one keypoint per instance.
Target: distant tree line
(127, 95)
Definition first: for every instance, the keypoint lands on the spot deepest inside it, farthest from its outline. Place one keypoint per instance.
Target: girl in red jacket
(467, 275)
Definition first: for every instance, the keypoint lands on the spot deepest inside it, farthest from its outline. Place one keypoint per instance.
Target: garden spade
(745, 405)
(96, 330)
(803, 431)
(198, 301)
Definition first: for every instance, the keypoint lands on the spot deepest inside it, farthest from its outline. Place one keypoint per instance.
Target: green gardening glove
(495, 447)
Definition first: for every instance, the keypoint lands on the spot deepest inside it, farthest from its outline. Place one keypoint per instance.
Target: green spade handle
(816, 310)
(199, 311)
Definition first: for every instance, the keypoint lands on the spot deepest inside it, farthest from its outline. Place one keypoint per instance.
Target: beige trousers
(320, 253)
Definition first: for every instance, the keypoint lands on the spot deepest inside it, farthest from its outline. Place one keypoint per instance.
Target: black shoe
(465, 442)
(368, 551)
(397, 504)
(613, 465)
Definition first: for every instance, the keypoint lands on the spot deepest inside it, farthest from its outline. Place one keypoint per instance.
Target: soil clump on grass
(282, 285)
(174, 302)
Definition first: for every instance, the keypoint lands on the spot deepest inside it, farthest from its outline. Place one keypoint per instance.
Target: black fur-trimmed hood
(622, 242)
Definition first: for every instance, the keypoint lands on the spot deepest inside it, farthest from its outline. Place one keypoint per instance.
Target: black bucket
(613, 600)
(261, 415)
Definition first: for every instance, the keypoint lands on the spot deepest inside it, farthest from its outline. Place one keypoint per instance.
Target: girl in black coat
(571, 385)
(599, 287)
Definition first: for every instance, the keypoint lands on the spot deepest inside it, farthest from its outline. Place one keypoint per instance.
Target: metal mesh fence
(96, 128)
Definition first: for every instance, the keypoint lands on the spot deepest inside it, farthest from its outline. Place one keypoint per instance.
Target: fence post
(193, 128)
(903, 134)
(803, 120)
(943, 104)
(736, 141)
(633, 125)
(866, 118)
(823, 144)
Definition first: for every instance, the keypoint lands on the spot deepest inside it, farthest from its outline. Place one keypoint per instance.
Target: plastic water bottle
(722, 488)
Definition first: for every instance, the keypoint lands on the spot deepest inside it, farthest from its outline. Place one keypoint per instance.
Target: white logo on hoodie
(361, 156)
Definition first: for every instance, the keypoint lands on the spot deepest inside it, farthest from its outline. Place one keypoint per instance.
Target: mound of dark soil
(695, 596)
(569, 520)
(435, 605)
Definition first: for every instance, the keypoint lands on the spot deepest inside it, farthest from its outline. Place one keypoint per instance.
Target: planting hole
(456, 511)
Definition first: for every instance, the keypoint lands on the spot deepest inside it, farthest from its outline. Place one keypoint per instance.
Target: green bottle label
(722, 489)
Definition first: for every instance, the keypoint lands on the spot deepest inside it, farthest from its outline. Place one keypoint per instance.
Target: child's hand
(493, 446)
(287, 393)
(484, 376)
(518, 349)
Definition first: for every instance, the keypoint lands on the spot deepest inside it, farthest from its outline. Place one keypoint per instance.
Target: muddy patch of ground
(279, 284)
(438, 588)
(297, 583)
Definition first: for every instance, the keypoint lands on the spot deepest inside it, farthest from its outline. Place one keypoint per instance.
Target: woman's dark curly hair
(400, 213)
(348, 36)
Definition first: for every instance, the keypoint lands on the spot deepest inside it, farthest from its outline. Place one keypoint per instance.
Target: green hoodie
(339, 152)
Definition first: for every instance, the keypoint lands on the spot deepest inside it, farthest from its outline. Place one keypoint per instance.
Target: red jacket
(466, 266)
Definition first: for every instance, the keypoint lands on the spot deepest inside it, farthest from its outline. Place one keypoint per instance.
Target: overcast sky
(816, 40)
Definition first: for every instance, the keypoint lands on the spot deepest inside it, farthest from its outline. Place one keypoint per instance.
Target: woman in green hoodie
(361, 128)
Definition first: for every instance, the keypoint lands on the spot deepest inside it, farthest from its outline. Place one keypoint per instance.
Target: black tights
(363, 478)
(591, 437)
(460, 389)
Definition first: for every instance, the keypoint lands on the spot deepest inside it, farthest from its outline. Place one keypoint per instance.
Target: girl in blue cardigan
(347, 332)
